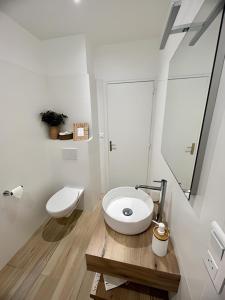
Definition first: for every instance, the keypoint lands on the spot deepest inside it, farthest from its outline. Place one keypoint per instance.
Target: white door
(129, 125)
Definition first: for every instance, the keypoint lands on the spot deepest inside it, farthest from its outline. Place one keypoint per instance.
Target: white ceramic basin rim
(127, 210)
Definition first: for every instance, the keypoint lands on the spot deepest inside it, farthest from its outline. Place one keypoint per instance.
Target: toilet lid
(63, 199)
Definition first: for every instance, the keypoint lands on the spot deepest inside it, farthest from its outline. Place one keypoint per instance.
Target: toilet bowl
(62, 203)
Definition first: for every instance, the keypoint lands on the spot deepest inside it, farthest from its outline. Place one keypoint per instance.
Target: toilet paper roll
(18, 192)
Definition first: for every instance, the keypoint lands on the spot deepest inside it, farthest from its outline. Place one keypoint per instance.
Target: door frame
(103, 127)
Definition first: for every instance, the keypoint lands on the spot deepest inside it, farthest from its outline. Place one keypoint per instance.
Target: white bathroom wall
(19, 47)
(70, 91)
(70, 94)
(24, 152)
(131, 61)
(65, 55)
(36, 76)
(94, 149)
(190, 226)
(135, 60)
(67, 78)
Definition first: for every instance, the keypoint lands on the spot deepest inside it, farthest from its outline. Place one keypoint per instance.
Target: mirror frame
(209, 108)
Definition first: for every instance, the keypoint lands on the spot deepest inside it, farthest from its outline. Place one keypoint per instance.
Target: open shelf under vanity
(130, 257)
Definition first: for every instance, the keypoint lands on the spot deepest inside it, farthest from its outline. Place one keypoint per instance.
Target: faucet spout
(148, 187)
(162, 189)
(162, 200)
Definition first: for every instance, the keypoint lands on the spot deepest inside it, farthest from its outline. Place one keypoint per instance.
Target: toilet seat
(63, 202)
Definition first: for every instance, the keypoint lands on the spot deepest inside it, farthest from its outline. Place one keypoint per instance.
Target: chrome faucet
(162, 189)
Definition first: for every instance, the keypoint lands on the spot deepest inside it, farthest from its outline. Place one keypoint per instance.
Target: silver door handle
(111, 146)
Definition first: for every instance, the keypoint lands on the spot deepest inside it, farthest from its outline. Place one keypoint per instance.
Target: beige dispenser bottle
(160, 239)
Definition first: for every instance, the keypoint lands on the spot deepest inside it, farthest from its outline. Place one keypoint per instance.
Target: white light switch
(210, 265)
(215, 257)
(220, 276)
(216, 247)
(69, 153)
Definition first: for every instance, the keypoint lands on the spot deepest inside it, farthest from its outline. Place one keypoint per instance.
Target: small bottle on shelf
(160, 239)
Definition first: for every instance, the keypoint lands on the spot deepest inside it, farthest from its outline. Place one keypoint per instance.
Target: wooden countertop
(131, 257)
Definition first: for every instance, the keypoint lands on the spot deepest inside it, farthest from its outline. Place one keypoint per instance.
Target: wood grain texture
(129, 291)
(131, 257)
(51, 265)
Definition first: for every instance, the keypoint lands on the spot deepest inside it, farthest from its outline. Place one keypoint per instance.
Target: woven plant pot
(53, 132)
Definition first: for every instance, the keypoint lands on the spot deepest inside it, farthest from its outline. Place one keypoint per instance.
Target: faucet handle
(158, 181)
(162, 181)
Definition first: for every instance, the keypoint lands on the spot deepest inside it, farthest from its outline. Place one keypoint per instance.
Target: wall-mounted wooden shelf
(131, 257)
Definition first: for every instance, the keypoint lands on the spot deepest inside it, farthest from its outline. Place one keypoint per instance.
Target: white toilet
(62, 203)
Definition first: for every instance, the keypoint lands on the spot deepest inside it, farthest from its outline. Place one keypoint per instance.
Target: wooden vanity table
(130, 257)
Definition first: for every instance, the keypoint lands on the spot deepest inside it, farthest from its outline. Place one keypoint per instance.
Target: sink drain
(127, 212)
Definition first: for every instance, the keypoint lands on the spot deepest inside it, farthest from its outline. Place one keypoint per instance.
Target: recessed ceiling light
(77, 1)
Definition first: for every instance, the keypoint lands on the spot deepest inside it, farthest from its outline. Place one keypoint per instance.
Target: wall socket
(211, 265)
(214, 258)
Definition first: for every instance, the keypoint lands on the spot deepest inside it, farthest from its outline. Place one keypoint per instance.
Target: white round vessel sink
(127, 210)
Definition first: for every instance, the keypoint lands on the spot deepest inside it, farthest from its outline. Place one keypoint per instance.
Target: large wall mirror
(193, 82)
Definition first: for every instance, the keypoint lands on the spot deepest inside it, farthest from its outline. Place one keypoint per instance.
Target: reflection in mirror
(188, 86)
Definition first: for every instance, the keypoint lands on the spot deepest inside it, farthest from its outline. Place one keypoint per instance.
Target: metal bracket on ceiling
(186, 28)
(199, 27)
(171, 20)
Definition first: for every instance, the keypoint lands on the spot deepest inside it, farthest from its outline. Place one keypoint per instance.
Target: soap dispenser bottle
(160, 239)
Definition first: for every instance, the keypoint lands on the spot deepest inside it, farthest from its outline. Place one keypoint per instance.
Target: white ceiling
(105, 21)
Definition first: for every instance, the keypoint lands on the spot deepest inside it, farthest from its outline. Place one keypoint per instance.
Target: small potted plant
(53, 120)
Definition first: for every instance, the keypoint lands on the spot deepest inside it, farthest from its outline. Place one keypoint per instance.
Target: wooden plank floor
(51, 265)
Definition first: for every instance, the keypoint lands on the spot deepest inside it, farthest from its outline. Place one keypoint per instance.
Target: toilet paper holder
(9, 193)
